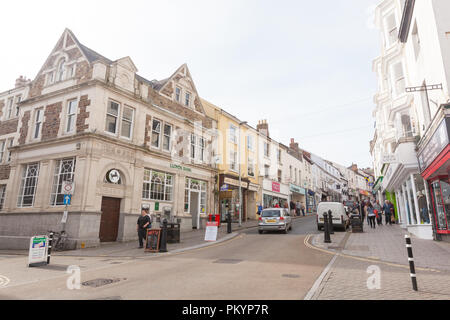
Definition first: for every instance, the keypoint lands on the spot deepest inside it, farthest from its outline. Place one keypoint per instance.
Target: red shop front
(434, 161)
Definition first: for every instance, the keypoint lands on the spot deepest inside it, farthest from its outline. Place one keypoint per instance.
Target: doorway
(109, 221)
(194, 206)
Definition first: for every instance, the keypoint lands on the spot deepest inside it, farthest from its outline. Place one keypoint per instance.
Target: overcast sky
(305, 66)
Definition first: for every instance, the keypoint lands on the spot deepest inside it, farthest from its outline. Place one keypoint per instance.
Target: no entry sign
(68, 187)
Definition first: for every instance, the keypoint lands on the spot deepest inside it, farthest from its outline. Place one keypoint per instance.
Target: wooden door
(109, 223)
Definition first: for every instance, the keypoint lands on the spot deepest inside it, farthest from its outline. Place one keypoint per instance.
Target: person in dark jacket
(143, 223)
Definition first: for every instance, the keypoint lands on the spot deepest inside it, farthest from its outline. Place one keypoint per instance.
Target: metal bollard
(50, 243)
(228, 222)
(326, 232)
(411, 262)
(163, 240)
(330, 221)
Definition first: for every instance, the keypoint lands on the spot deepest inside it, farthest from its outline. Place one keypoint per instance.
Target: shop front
(275, 193)
(297, 194)
(311, 206)
(434, 161)
(229, 197)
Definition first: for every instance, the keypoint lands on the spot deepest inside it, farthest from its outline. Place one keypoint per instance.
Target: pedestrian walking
(292, 207)
(371, 215)
(378, 212)
(392, 211)
(303, 209)
(387, 212)
(143, 223)
(298, 207)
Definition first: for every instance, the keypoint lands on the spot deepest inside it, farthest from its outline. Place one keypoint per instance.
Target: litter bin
(356, 223)
(173, 233)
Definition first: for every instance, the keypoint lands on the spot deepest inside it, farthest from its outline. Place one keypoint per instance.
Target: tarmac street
(248, 266)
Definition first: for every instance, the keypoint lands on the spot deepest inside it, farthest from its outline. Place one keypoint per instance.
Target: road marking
(319, 280)
(306, 242)
(3, 281)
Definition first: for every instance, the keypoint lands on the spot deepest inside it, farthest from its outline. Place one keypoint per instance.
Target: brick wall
(178, 108)
(4, 172)
(24, 128)
(83, 114)
(9, 126)
(52, 120)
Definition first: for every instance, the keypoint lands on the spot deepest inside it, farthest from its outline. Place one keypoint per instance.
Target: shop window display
(441, 201)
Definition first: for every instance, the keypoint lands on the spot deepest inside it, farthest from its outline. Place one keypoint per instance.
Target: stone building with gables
(125, 142)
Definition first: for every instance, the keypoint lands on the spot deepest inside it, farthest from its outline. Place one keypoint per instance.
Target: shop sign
(176, 166)
(297, 189)
(389, 158)
(38, 250)
(211, 231)
(275, 187)
(437, 143)
(113, 176)
(224, 187)
(235, 182)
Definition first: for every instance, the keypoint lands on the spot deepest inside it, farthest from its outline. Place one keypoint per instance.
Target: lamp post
(240, 188)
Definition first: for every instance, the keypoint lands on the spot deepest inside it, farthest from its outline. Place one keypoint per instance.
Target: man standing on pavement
(143, 223)
(298, 207)
(387, 212)
(377, 207)
(292, 208)
(303, 209)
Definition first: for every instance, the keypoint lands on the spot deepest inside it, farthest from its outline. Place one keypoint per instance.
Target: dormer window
(177, 94)
(187, 99)
(61, 69)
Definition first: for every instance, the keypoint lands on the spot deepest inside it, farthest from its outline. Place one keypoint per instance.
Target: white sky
(305, 66)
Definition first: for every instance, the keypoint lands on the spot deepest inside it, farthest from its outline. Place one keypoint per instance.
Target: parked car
(275, 219)
(340, 217)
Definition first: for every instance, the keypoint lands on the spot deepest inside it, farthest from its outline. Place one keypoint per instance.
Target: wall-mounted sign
(297, 189)
(113, 176)
(176, 166)
(235, 182)
(389, 158)
(276, 187)
(437, 143)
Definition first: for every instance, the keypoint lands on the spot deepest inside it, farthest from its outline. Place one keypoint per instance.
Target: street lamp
(240, 188)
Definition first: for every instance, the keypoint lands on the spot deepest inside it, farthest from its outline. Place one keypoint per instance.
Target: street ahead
(250, 266)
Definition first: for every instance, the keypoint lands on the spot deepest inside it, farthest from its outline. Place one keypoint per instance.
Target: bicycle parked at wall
(59, 240)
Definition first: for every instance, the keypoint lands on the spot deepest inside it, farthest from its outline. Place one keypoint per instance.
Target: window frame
(178, 96)
(112, 115)
(164, 186)
(2, 195)
(2, 149)
(131, 122)
(233, 160)
(18, 99)
(187, 99)
(232, 137)
(61, 70)
(165, 136)
(155, 132)
(58, 179)
(37, 112)
(9, 108)
(69, 115)
(23, 187)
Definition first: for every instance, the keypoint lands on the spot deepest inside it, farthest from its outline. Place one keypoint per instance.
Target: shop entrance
(194, 206)
(109, 221)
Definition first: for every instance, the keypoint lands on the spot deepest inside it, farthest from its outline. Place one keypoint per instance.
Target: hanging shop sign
(437, 143)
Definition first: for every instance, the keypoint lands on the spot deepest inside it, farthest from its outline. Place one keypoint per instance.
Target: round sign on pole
(67, 187)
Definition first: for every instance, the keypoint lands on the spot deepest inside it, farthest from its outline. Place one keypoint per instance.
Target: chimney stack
(263, 127)
(22, 81)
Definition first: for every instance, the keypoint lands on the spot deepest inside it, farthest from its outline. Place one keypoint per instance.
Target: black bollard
(330, 221)
(326, 233)
(163, 240)
(50, 244)
(411, 262)
(228, 222)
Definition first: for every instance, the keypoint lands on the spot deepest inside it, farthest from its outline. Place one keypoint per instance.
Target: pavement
(189, 240)
(373, 265)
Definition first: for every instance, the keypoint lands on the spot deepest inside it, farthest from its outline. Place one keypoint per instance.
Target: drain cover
(99, 282)
(291, 276)
(228, 261)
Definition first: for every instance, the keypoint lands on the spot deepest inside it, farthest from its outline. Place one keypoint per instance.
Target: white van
(340, 217)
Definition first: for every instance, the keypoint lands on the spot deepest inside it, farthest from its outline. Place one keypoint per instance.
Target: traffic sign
(67, 199)
(68, 187)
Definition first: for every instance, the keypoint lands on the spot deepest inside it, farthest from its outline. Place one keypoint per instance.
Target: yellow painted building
(234, 134)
